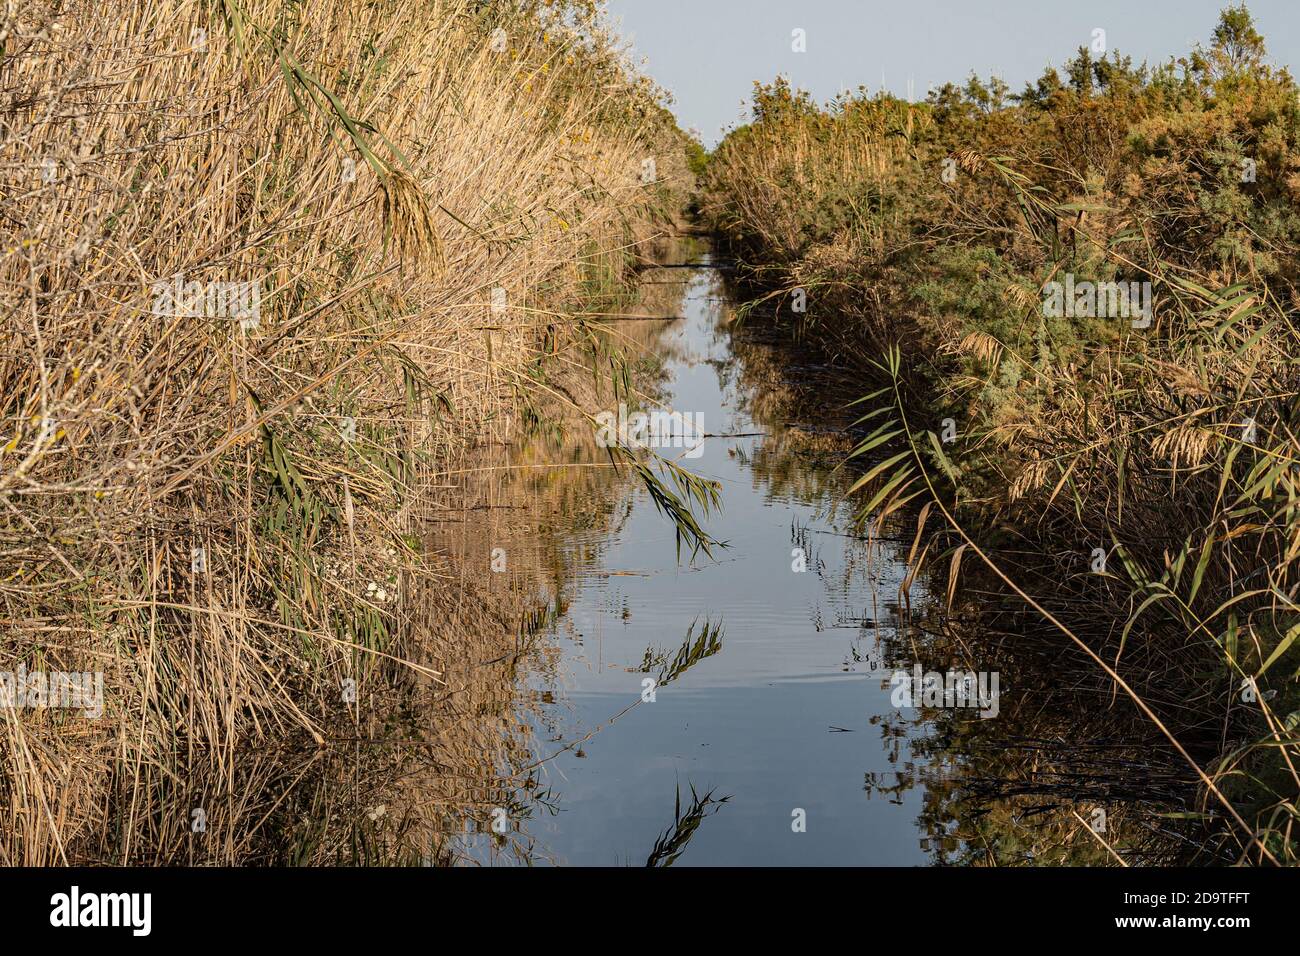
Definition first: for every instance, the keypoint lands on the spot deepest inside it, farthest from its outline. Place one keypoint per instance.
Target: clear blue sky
(709, 52)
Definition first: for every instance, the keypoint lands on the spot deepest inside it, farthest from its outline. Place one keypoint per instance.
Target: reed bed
(390, 210)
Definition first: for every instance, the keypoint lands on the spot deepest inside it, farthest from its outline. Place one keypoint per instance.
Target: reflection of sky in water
(778, 717)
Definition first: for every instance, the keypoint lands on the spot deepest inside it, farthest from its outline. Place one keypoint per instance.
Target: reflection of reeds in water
(804, 411)
(695, 649)
(550, 500)
(1013, 790)
(1007, 791)
(550, 503)
(673, 842)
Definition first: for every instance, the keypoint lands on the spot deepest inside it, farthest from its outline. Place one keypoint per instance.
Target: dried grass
(376, 169)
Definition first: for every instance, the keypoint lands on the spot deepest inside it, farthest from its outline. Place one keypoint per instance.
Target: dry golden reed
(372, 211)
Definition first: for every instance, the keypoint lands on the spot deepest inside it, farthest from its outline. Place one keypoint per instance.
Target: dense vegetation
(223, 512)
(1133, 482)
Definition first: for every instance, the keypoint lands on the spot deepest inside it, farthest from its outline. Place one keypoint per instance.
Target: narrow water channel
(764, 657)
(770, 737)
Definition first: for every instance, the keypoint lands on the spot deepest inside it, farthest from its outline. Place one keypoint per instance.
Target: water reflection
(757, 661)
(762, 677)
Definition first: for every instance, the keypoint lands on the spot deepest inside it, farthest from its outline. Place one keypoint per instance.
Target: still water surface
(769, 690)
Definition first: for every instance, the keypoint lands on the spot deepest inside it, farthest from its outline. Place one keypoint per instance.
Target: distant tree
(987, 97)
(1237, 49)
(1080, 72)
(945, 99)
(1237, 41)
(1117, 75)
(1039, 95)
